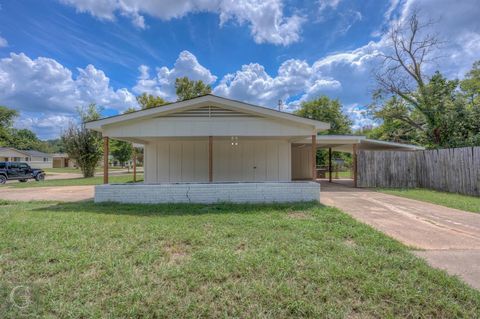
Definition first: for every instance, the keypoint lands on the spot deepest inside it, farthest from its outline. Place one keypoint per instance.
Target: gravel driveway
(447, 238)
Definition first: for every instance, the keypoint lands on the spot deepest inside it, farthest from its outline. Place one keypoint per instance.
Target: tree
(188, 89)
(327, 110)
(147, 101)
(122, 151)
(330, 111)
(427, 110)
(7, 116)
(402, 74)
(83, 145)
(24, 139)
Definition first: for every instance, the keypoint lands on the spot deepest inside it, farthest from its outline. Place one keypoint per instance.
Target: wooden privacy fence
(455, 170)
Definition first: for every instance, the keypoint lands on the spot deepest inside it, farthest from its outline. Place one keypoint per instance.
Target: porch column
(330, 164)
(134, 165)
(105, 159)
(210, 159)
(314, 157)
(354, 157)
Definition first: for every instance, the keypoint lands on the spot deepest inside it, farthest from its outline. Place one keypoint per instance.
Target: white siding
(169, 161)
(198, 127)
(301, 162)
(176, 161)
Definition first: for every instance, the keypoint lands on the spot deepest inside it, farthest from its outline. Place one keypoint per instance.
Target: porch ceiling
(344, 143)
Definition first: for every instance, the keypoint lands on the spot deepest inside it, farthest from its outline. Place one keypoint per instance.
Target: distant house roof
(62, 155)
(33, 153)
(29, 153)
(11, 152)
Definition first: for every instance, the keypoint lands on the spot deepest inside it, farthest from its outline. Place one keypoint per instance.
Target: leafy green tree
(327, 110)
(7, 116)
(470, 92)
(449, 119)
(188, 89)
(121, 151)
(147, 101)
(56, 145)
(24, 139)
(427, 109)
(83, 145)
(330, 111)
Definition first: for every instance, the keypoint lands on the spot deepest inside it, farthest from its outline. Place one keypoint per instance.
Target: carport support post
(314, 157)
(134, 165)
(210, 160)
(330, 164)
(105, 159)
(354, 155)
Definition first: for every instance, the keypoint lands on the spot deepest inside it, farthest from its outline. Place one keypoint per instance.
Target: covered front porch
(213, 169)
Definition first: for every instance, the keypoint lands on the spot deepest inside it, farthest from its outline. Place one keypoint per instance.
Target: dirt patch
(55, 193)
(299, 215)
(350, 243)
(176, 253)
(240, 248)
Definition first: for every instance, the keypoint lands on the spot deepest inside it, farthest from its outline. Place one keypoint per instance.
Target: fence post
(354, 155)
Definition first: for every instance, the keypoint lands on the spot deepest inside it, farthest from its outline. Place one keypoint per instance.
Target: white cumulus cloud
(265, 18)
(294, 77)
(43, 84)
(163, 82)
(3, 42)
(50, 93)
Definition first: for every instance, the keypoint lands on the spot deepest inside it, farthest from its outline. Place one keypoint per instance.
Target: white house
(35, 159)
(211, 149)
(62, 160)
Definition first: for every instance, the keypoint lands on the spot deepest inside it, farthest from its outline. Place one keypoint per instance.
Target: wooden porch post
(134, 165)
(314, 157)
(210, 160)
(330, 164)
(105, 159)
(354, 165)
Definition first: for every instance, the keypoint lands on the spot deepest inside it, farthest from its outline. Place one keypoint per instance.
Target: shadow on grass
(172, 209)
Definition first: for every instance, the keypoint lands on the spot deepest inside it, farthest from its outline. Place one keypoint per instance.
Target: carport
(345, 143)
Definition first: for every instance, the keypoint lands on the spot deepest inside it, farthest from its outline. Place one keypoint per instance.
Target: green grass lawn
(97, 180)
(159, 261)
(462, 202)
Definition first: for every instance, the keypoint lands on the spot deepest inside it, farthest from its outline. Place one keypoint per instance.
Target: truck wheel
(40, 177)
(3, 179)
(22, 180)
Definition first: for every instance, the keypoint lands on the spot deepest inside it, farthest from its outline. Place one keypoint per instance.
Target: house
(62, 160)
(34, 158)
(211, 149)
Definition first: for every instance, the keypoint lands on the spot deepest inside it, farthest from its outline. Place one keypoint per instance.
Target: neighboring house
(35, 159)
(211, 149)
(61, 160)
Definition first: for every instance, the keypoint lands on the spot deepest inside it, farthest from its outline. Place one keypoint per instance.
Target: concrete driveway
(447, 238)
(59, 193)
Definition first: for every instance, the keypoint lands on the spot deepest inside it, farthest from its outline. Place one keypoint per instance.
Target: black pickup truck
(19, 171)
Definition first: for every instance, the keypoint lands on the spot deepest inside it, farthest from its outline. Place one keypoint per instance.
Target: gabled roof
(36, 153)
(206, 100)
(26, 152)
(12, 149)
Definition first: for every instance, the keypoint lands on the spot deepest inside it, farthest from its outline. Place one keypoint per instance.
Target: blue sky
(56, 55)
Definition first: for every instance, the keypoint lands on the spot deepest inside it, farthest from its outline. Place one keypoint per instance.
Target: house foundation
(208, 193)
